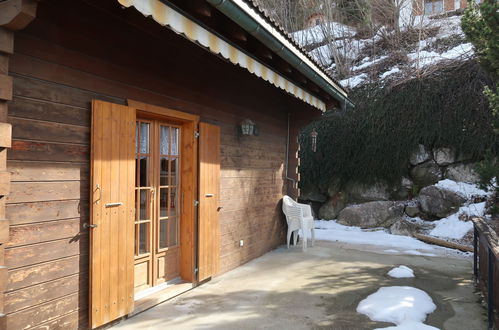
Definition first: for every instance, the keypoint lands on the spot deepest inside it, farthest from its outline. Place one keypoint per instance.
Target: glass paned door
(157, 190)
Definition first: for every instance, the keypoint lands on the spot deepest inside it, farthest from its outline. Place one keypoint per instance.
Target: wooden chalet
(125, 177)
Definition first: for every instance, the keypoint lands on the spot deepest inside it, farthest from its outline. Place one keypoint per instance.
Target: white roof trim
(180, 24)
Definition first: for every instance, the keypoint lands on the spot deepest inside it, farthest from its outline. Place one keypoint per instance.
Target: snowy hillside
(386, 55)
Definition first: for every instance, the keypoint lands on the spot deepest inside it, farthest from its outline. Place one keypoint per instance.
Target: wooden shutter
(209, 199)
(112, 240)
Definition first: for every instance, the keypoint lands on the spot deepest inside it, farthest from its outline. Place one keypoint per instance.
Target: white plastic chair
(298, 216)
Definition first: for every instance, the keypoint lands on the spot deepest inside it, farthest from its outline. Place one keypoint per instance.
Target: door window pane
(163, 202)
(174, 141)
(174, 171)
(144, 205)
(163, 140)
(163, 234)
(163, 171)
(143, 238)
(137, 138)
(144, 138)
(173, 201)
(172, 232)
(144, 176)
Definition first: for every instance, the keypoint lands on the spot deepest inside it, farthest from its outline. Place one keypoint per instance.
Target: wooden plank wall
(6, 49)
(61, 63)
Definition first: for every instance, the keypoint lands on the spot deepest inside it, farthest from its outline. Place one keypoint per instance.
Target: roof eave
(254, 24)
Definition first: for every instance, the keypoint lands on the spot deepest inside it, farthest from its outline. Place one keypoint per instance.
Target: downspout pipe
(293, 181)
(248, 23)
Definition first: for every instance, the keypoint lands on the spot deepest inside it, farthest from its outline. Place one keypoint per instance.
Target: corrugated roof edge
(250, 19)
(263, 13)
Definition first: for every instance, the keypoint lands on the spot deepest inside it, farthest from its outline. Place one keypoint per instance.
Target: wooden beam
(6, 41)
(6, 87)
(14, 15)
(17, 14)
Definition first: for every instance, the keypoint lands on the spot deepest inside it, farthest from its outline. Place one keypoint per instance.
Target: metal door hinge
(196, 134)
(196, 203)
(196, 270)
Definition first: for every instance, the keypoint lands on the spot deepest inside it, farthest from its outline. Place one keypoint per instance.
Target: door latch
(87, 225)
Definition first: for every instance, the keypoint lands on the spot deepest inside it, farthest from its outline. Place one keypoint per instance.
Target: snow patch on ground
(425, 58)
(318, 33)
(397, 304)
(390, 72)
(401, 272)
(410, 325)
(467, 190)
(453, 227)
(419, 253)
(329, 230)
(354, 81)
(366, 63)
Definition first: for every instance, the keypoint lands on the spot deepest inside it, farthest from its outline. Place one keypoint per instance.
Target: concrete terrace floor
(319, 289)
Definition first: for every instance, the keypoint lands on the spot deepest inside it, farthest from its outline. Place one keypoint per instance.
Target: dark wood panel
(54, 92)
(45, 151)
(47, 211)
(16, 257)
(26, 107)
(47, 171)
(40, 273)
(30, 129)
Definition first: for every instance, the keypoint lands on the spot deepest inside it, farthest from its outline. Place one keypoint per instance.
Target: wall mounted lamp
(248, 127)
(313, 136)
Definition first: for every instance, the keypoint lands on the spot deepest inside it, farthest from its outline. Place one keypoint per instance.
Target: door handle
(87, 225)
(209, 195)
(114, 204)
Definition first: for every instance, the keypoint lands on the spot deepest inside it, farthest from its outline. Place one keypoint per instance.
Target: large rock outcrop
(462, 173)
(372, 214)
(426, 174)
(332, 207)
(439, 203)
(421, 155)
(444, 156)
(367, 193)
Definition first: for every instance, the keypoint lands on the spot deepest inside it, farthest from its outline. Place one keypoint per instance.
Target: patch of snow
(397, 304)
(401, 272)
(389, 72)
(366, 63)
(319, 33)
(466, 190)
(391, 251)
(354, 81)
(419, 253)
(329, 230)
(424, 58)
(410, 325)
(452, 227)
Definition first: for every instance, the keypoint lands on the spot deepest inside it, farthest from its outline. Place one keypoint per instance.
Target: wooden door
(158, 187)
(209, 201)
(112, 212)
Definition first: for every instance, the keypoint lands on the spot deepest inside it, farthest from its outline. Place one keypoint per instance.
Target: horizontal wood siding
(74, 52)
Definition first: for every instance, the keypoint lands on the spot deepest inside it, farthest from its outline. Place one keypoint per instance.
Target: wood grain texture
(111, 247)
(209, 201)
